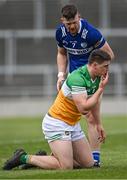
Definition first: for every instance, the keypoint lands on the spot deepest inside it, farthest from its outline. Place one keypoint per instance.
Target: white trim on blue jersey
(81, 45)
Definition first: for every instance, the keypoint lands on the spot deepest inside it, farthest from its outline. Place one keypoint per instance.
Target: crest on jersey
(67, 133)
(84, 45)
(84, 33)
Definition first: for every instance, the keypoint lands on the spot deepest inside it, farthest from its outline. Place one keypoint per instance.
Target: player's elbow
(83, 110)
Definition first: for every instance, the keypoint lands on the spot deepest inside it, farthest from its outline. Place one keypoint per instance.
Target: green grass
(26, 133)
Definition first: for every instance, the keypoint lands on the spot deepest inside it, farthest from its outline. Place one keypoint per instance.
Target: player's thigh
(62, 150)
(82, 152)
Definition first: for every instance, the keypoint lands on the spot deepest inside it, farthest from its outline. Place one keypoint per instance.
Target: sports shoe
(14, 161)
(96, 164)
(28, 166)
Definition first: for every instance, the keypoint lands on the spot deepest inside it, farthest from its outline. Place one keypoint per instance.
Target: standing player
(76, 39)
(80, 94)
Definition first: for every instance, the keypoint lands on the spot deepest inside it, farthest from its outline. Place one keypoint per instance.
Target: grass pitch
(26, 133)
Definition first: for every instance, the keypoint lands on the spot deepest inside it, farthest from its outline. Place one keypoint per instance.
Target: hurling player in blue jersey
(76, 39)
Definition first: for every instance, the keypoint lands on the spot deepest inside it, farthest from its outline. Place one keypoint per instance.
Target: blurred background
(28, 51)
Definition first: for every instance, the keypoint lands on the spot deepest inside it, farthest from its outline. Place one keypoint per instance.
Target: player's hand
(101, 133)
(104, 80)
(60, 82)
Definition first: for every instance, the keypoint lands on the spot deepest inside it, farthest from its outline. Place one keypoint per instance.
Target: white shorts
(55, 129)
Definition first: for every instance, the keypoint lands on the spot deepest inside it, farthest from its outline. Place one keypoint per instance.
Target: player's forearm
(62, 63)
(97, 118)
(93, 100)
(96, 113)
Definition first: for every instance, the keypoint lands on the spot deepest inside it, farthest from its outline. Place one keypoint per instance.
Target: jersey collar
(80, 26)
(88, 75)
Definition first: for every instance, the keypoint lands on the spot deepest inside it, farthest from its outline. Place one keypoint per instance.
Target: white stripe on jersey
(75, 90)
(78, 51)
(78, 90)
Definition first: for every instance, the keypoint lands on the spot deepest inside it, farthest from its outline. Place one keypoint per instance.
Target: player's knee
(66, 165)
(89, 164)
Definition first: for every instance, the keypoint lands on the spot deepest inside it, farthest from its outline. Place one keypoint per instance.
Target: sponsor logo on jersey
(78, 51)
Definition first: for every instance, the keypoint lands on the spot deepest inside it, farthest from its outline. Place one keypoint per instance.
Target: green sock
(24, 158)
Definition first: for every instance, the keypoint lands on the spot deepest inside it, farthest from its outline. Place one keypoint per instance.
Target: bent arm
(85, 104)
(107, 49)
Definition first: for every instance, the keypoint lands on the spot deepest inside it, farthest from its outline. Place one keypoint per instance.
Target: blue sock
(96, 156)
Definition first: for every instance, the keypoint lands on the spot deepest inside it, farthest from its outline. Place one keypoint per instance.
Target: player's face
(72, 25)
(103, 68)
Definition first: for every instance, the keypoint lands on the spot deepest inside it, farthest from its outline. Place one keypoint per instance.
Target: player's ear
(79, 16)
(62, 19)
(95, 64)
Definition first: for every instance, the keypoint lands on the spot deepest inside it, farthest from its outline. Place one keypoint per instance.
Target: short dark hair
(69, 11)
(99, 56)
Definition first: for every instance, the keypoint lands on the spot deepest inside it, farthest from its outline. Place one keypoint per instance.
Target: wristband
(60, 74)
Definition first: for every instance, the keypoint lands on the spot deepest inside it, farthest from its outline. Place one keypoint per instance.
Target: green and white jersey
(79, 81)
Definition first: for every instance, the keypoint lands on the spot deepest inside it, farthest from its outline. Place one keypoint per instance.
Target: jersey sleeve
(76, 83)
(95, 37)
(58, 37)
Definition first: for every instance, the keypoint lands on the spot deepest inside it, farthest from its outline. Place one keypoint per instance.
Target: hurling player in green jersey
(80, 94)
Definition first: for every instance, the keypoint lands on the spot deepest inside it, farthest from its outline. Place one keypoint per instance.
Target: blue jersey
(81, 45)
